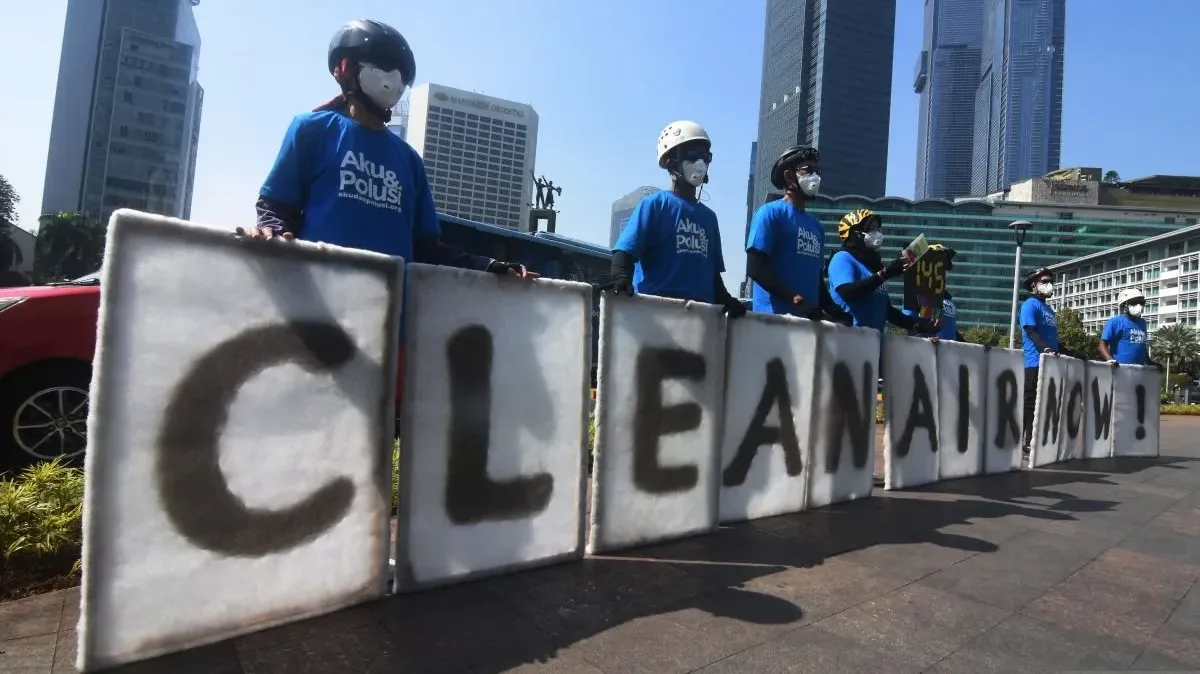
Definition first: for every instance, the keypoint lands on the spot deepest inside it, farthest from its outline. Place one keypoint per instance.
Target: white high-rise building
(126, 121)
(478, 152)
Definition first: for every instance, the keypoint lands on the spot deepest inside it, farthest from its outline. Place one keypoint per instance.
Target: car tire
(43, 414)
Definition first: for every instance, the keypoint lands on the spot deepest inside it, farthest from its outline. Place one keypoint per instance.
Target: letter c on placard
(194, 493)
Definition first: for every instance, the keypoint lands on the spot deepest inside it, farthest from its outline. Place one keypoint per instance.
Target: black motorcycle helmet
(791, 158)
(1031, 279)
(368, 41)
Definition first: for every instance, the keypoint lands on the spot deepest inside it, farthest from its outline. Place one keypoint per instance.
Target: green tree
(1175, 345)
(1112, 177)
(8, 201)
(10, 252)
(69, 245)
(1073, 339)
(988, 335)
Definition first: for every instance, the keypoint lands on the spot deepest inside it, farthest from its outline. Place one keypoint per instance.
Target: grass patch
(41, 529)
(1180, 410)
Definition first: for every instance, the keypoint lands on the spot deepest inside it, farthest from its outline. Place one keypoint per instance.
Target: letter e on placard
(240, 438)
(658, 409)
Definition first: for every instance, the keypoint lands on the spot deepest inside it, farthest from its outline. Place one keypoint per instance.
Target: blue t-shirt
(949, 331)
(795, 243)
(1126, 338)
(1035, 313)
(357, 187)
(869, 311)
(677, 247)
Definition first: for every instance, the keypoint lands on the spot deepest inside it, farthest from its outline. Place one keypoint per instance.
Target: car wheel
(43, 415)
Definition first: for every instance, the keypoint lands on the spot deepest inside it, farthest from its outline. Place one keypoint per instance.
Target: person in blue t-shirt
(342, 178)
(785, 249)
(1124, 338)
(858, 277)
(1039, 334)
(671, 245)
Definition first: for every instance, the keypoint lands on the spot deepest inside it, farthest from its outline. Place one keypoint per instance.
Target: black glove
(734, 308)
(809, 310)
(923, 326)
(501, 268)
(619, 285)
(896, 268)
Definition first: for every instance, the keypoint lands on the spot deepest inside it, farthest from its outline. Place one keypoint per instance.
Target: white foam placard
(240, 437)
(765, 452)
(659, 405)
(962, 398)
(1098, 399)
(844, 453)
(1005, 410)
(1048, 413)
(1135, 410)
(910, 411)
(493, 426)
(1074, 422)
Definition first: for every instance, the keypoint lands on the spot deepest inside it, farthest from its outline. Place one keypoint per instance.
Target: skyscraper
(1018, 103)
(827, 82)
(947, 75)
(126, 121)
(621, 210)
(478, 153)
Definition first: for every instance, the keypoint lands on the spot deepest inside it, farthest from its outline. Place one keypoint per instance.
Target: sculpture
(546, 190)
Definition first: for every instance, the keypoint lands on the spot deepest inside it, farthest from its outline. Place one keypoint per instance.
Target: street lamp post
(1020, 227)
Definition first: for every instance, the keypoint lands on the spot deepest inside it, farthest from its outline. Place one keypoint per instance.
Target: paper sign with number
(925, 285)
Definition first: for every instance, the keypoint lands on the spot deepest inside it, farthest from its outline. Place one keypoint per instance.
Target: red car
(47, 338)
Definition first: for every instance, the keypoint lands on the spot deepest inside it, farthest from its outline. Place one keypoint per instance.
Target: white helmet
(1129, 294)
(676, 134)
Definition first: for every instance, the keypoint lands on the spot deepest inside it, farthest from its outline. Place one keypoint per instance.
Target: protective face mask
(809, 184)
(873, 239)
(1045, 289)
(1135, 310)
(383, 87)
(694, 172)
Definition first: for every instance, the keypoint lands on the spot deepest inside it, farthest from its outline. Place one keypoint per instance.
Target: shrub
(41, 528)
(1181, 410)
(396, 476)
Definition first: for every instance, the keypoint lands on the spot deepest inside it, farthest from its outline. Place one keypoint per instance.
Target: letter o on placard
(194, 493)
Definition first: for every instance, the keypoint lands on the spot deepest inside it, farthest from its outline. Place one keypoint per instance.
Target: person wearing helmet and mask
(342, 178)
(1123, 340)
(785, 248)
(1039, 334)
(858, 277)
(946, 327)
(671, 245)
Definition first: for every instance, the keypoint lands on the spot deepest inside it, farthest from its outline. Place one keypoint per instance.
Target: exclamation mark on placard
(1140, 393)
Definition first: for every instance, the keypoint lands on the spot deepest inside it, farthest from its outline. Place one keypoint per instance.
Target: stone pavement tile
(740, 617)
(1176, 647)
(911, 561)
(654, 645)
(823, 590)
(1166, 544)
(31, 617)
(577, 600)
(351, 640)
(915, 623)
(812, 650)
(732, 557)
(68, 639)
(219, 658)
(1150, 661)
(1024, 645)
(1181, 519)
(1186, 617)
(27, 655)
(1141, 574)
(982, 529)
(1090, 601)
(1096, 535)
(1135, 510)
(1007, 580)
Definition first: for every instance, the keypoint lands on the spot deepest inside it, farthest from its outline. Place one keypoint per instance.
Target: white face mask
(1045, 289)
(809, 184)
(694, 172)
(383, 87)
(1135, 310)
(873, 239)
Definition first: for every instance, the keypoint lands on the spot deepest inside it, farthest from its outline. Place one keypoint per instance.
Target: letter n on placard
(1005, 410)
(1135, 410)
(769, 385)
(239, 431)
(658, 409)
(1048, 426)
(1098, 400)
(910, 404)
(843, 456)
(494, 425)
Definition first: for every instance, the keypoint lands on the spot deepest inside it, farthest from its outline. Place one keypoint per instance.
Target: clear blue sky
(604, 78)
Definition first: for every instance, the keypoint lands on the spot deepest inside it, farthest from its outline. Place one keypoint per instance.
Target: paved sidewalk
(1079, 567)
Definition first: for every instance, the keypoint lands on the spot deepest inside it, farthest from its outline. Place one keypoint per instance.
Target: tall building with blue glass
(1018, 101)
(946, 77)
(827, 82)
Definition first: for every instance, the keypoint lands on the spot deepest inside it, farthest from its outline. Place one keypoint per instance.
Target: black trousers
(1031, 384)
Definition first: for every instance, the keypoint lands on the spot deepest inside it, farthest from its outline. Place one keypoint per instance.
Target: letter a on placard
(774, 394)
